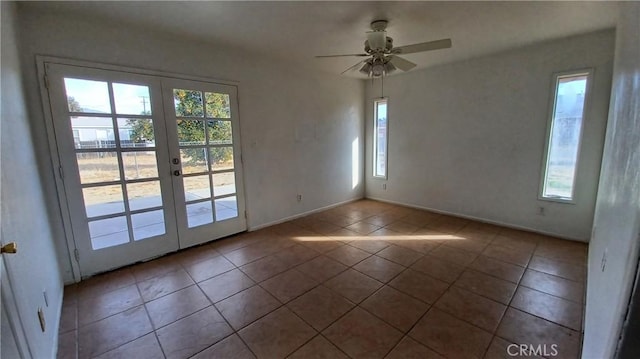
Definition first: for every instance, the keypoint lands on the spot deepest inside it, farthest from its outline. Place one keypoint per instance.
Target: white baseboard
(286, 219)
(478, 219)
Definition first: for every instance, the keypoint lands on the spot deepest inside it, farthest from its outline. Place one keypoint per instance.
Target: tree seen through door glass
(219, 132)
(218, 105)
(188, 103)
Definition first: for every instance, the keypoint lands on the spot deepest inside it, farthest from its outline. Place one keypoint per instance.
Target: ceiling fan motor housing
(387, 48)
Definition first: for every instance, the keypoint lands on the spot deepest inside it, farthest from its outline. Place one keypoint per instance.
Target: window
(380, 132)
(563, 138)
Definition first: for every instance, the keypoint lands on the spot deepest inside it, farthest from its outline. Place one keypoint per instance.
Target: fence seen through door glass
(115, 153)
(205, 140)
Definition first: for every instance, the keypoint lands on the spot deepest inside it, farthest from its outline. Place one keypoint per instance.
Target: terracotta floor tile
(318, 348)
(348, 255)
(296, 254)
(154, 268)
(450, 336)
(321, 245)
(554, 309)
(264, 268)
(353, 285)
(419, 285)
(67, 345)
(231, 347)
(143, 347)
(487, 286)
(209, 268)
(553, 285)
(402, 227)
(324, 227)
(247, 306)
(159, 286)
(344, 235)
(382, 220)
(369, 245)
(561, 269)
(361, 335)
(321, 268)
(411, 349)
(68, 317)
(461, 276)
(195, 254)
(105, 282)
(363, 228)
(225, 285)
(467, 244)
(379, 268)
(288, 285)
(276, 335)
(101, 306)
(513, 256)
(458, 256)
(476, 234)
(110, 333)
(247, 254)
(192, 334)
(563, 250)
(519, 327)
(320, 307)
(419, 245)
(447, 224)
(472, 308)
(518, 244)
(177, 305)
(498, 269)
(438, 268)
(400, 255)
(395, 308)
(339, 220)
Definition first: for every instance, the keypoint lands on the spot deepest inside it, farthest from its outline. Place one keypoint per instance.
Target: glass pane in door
(116, 160)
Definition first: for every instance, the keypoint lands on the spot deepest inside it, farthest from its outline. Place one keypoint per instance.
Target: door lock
(176, 173)
(175, 161)
(9, 248)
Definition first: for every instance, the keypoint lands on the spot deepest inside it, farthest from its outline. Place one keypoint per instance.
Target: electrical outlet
(603, 264)
(299, 198)
(43, 324)
(384, 186)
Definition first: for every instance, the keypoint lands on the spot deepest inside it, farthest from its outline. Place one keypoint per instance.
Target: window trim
(374, 156)
(588, 72)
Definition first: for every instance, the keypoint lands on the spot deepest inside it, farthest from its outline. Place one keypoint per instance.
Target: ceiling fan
(382, 57)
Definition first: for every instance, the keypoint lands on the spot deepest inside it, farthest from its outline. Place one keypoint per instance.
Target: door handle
(176, 173)
(9, 248)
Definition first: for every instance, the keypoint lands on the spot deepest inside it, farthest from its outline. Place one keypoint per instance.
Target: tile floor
(363, 280)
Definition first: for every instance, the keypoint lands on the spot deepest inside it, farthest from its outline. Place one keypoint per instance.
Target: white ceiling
(297, 31)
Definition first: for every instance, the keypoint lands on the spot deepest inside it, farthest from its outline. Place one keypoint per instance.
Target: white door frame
(41, 61)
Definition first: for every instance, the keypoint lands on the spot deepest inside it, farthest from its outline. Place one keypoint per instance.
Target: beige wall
(616, 227)
(34, 269)
(468, 138)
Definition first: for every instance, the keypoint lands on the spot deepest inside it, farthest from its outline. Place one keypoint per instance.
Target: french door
(149, 164)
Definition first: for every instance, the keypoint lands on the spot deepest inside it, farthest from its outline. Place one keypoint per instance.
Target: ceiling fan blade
(402, 64)
(352, 67)
(358, 55)
(423, 46)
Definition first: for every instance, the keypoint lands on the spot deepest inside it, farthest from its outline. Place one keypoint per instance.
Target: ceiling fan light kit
(382, 57)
